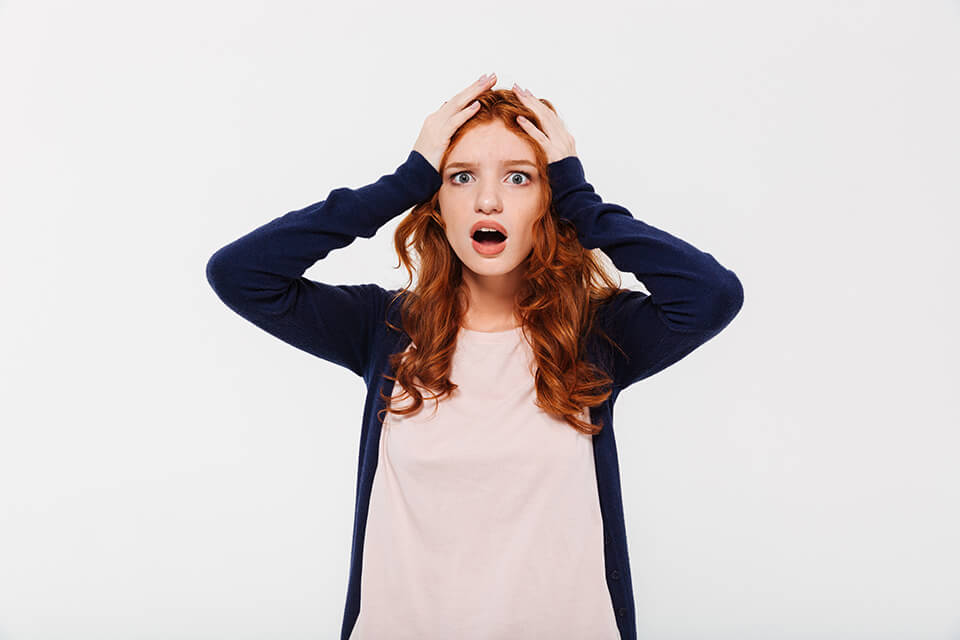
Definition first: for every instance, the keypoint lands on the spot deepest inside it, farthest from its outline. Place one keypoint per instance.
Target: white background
(168, 471)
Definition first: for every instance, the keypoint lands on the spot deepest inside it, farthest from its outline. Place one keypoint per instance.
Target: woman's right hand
(439, 126)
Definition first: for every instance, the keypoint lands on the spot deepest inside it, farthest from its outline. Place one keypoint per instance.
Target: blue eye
(522, 173)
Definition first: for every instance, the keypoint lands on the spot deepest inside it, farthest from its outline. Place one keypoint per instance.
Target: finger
(534, 132)
(466, 96)
(548, 119)
(463, 115)
(545, 114)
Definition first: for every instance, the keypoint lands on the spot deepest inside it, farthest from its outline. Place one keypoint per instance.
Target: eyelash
(524, 173)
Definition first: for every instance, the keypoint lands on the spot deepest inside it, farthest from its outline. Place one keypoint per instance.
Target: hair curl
(564, 286)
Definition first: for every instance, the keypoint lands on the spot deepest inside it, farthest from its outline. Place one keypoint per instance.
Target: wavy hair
(564, 286)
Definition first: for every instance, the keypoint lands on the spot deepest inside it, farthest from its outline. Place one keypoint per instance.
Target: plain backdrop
(169, 471)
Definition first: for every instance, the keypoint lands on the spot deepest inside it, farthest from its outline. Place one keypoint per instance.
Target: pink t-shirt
(484, 519)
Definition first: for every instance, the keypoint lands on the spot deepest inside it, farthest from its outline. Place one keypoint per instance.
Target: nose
(488, 199)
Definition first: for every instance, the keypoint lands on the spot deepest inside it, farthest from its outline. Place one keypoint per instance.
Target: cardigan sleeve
(692, 296)
(260, 275)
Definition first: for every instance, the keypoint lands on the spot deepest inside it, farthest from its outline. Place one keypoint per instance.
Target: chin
(497, 266)
(490, 270)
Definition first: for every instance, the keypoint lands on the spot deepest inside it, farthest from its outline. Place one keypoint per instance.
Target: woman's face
(490, 177)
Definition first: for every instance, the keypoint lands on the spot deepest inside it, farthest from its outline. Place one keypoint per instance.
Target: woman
(497, 513)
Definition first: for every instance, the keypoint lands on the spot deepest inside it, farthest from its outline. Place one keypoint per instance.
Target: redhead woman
(488, 497)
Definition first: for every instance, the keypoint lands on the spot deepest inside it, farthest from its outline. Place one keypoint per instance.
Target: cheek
(522, 243)
(528, 242)
(528, 231)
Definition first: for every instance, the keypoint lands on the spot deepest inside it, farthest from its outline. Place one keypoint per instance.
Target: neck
(491, 301)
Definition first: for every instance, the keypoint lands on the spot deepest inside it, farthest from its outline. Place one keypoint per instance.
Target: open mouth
(488, 242)
(488, 237)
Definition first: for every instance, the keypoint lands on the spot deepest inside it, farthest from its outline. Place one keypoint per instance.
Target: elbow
(727, 300)
(214, 271)
(217, 273)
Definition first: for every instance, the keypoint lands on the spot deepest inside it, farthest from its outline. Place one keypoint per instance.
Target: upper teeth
(488, 229)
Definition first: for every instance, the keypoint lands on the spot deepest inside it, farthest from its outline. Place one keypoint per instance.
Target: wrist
(565, 173)
(421, 175)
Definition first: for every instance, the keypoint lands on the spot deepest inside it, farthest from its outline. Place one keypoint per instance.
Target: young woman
(495, 512)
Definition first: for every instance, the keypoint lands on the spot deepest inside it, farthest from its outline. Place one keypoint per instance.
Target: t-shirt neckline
(504, 334)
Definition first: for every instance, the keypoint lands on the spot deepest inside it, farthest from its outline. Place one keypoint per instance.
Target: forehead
(491, 143)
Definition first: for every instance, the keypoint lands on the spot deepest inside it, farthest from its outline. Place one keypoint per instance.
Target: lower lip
(488, 249)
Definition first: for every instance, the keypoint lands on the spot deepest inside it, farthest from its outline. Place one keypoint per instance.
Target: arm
(692, 296)
(260, 275)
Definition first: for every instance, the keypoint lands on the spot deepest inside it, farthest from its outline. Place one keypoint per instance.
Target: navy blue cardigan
(260, 277)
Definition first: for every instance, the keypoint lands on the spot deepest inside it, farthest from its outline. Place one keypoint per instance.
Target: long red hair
(564, 286)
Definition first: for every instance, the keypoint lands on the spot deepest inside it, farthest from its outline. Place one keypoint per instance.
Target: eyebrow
(505, 163)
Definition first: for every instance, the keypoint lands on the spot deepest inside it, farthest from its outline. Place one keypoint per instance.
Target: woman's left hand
(554, 138)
